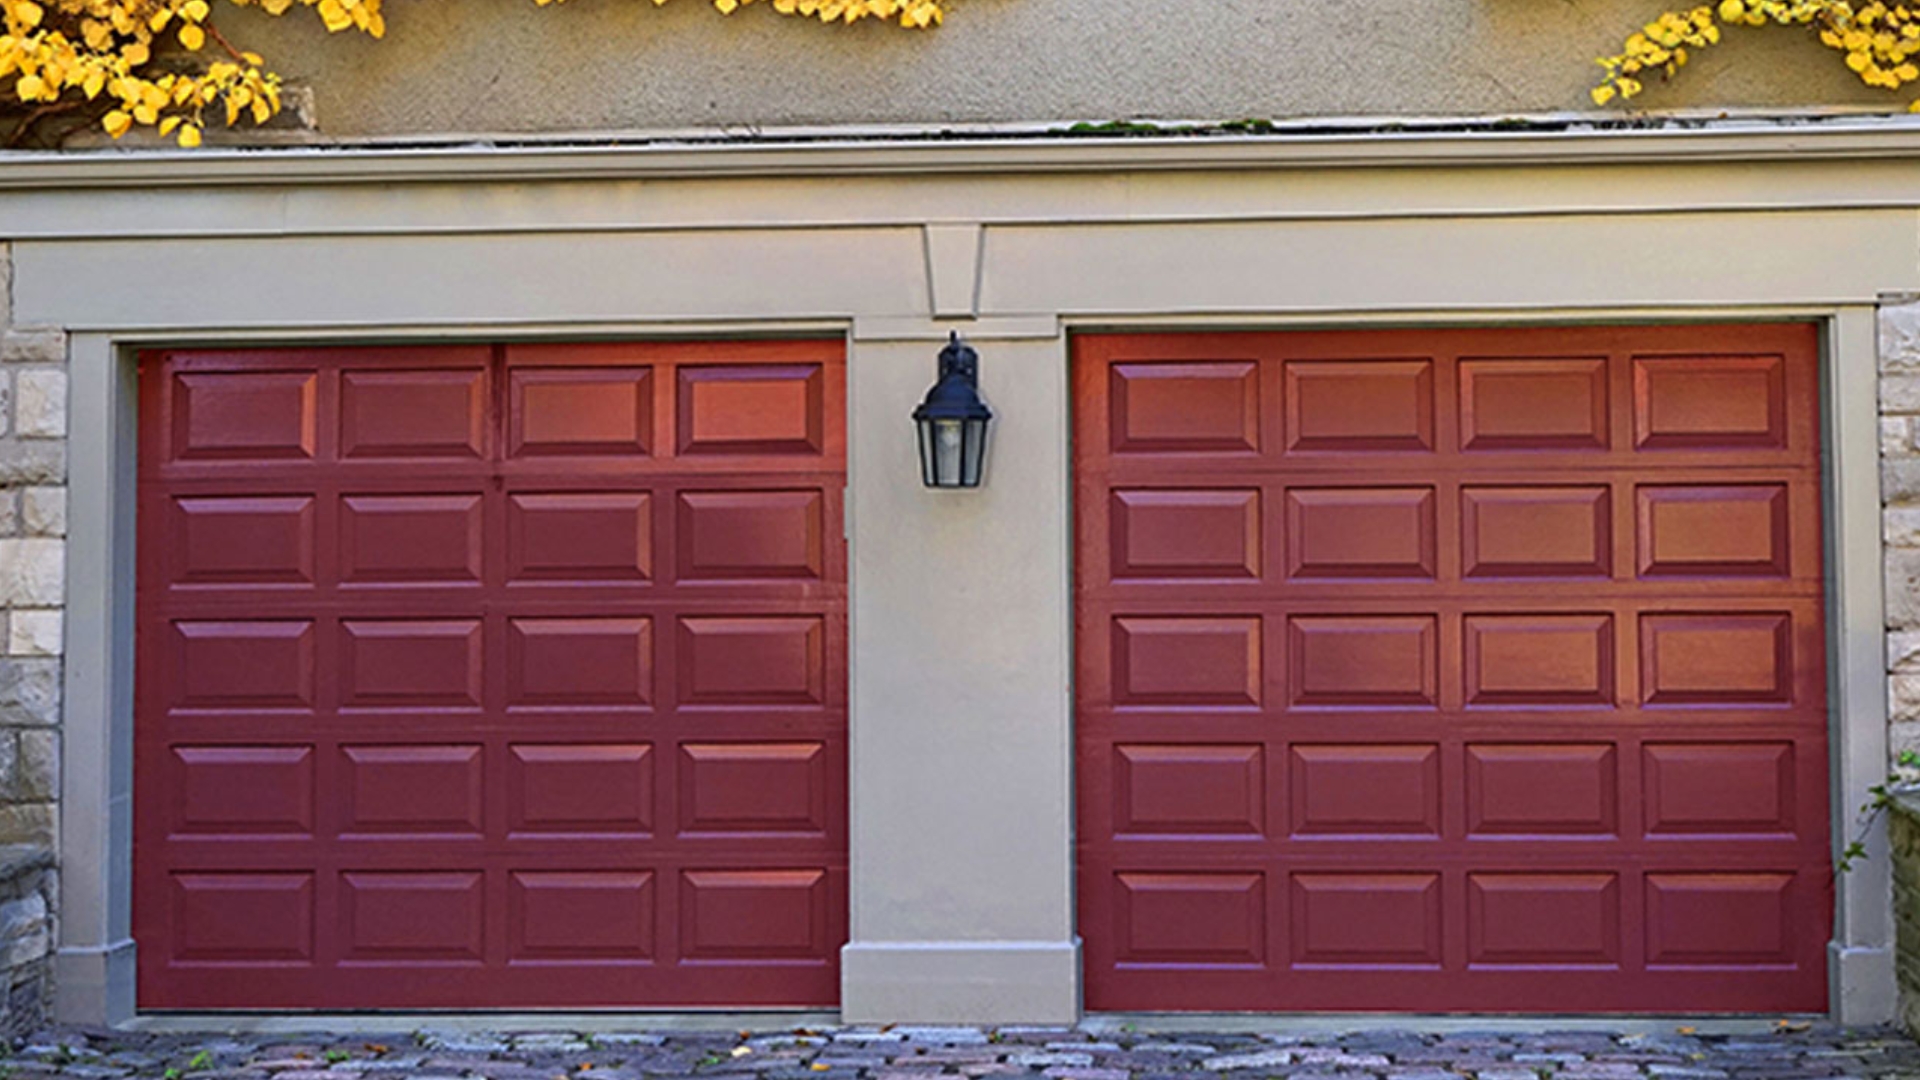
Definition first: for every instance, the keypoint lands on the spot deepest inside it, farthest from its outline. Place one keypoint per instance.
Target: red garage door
(1452, 670)
(479, 677)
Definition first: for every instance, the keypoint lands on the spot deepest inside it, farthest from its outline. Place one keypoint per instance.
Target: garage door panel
(1544, 920)
(1534, 403)
(1365, 791)
(550, 715)
(390, 540)
(244, 541)
(560, 412)
(581, 538)
(242, 790)
(601, 916)
(1189, 920)
(1361, 533)
(1536, 531)
(411, 664)
(396, 413)
(1530, 790)
(1363, 661)
(1190, 790)
(1364, 406)
(244, 416)
(739, 409)
(1194, 533)
(1538, 689)
(1186, 407)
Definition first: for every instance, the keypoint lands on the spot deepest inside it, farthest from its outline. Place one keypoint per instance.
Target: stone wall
(1900, 493)
(33, 526)
(29, 895)
(1903, 827)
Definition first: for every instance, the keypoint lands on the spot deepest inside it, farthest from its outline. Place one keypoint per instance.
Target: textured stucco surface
(484, 66)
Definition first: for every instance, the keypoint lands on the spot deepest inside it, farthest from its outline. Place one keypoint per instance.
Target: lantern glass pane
(976, 453)
(928, 473)
(949, 438)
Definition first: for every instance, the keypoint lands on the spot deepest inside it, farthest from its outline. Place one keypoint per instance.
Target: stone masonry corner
(33, 528)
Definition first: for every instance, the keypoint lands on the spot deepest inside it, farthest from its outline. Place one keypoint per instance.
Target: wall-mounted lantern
(953, 422)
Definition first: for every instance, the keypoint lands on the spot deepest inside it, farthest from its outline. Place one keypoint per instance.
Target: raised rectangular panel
(1733, 658)
(241, 918)
(1366, 920)
(1735, 530)
(245, 415)
(243, 665)
(576, 663)
(1362, 791)
(411, 664)
(1190, 919)
(1177, 407)
(1186, 661)
(752, 409)
(1695, 789)
(1547, 789)
(1380, 661)
(580, 537)
(1539, 660)
(591, 411)
(1533, 404)
(1536, 532)
(1543, 920)
(1709, 402)
(1359, 406)
(410, 539)
(584, 788)
(1732, 919)
(229, 790)
(1192, 790)
(731, 535)
(1360, 533)
(753, 915)
(580, 916)
(753, 787)
(774, 660)
(580, 788)
(1198, 533)
(411, 789)
(413, 917)
(242, 540)
(413, 414)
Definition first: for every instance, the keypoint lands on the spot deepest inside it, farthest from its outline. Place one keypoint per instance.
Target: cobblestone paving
(922, 1053)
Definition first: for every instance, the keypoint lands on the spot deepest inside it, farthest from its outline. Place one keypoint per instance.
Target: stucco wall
(480, 66)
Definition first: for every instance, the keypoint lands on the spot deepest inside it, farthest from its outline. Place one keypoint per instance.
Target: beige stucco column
(962, 900)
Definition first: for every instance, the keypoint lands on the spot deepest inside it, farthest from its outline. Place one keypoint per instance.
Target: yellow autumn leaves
(912, 14)
(1881, 40)
(66, 55)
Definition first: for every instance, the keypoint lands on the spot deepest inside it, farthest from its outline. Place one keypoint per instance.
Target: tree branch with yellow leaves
(127, 64)
(1879, 39)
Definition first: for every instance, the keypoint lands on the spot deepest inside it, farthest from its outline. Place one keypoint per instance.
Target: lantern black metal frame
(952, 421)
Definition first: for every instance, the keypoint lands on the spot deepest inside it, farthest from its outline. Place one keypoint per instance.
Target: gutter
(843, 152)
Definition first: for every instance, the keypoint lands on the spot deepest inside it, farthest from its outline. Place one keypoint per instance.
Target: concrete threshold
(1436, 1023)
(1320, 1024)
(489, 1022)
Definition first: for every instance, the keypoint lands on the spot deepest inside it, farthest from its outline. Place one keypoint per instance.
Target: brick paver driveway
(1103, 1051)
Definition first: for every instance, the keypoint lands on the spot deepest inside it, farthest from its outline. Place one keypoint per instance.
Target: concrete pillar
(962, 708)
